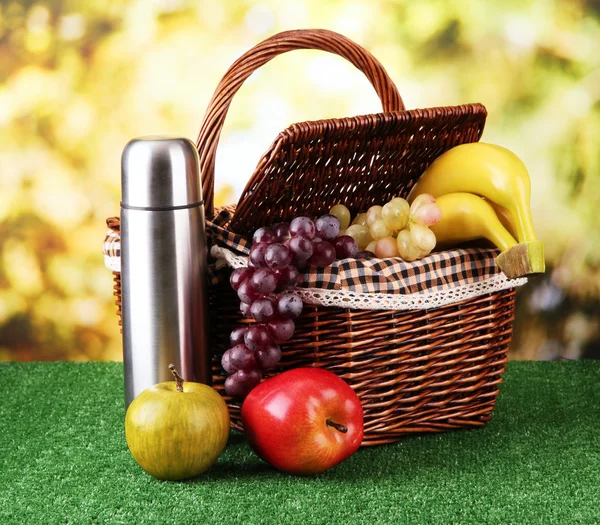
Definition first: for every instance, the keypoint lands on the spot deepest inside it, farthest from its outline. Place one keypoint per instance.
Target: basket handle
(259, 55)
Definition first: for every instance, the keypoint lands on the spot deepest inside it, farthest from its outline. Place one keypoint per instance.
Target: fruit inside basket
(423, 343)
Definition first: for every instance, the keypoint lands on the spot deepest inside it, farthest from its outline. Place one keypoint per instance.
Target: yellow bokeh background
(79, 79)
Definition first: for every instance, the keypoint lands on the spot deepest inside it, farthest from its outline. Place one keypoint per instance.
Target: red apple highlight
(303, 421)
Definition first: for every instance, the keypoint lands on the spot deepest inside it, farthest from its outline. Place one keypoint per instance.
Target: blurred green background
(78, 79)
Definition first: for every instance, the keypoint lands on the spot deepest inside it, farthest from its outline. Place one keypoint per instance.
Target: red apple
(303, 421)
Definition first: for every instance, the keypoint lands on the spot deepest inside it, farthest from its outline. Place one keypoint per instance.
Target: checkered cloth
(438, 272)
(112, 250)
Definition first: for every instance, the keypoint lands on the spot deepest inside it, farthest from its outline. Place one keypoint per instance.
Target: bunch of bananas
(483, 191)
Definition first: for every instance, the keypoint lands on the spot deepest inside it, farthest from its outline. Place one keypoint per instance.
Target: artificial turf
(64, 460)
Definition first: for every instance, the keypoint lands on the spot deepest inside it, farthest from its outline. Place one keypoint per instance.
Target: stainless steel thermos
(163, 264)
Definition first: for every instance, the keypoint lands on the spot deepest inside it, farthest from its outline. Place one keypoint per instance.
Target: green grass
(64, 460)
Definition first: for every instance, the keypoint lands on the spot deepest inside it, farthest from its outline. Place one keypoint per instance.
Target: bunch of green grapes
(397, 229)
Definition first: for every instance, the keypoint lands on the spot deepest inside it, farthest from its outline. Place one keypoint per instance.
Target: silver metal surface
(157, 172)
(163, 265)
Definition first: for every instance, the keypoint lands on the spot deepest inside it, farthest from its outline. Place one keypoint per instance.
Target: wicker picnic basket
(415, 370)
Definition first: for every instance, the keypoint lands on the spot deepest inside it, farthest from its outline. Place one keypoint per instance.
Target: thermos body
(163, 265)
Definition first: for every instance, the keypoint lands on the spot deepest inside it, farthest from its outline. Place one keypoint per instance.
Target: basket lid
(358, 161)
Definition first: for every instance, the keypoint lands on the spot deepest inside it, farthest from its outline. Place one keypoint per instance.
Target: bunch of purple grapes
(266, 291)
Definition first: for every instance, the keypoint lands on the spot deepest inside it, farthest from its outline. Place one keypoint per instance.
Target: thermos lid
(160, 173)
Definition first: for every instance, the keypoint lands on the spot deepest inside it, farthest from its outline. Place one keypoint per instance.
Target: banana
(504, 217)
(467, 217)
(487, 170)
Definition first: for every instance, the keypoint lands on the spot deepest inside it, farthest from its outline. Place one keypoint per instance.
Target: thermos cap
(160, 173)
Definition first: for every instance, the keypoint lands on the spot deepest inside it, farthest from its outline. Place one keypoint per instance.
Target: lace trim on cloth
(112, 263)
(383, 301)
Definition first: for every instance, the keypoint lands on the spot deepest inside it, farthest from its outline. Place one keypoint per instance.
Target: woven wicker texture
(311, 166)
(259, 55)
(414, 371)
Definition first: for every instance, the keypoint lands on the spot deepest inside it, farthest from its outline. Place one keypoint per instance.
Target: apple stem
(337, 426)
(178, 378)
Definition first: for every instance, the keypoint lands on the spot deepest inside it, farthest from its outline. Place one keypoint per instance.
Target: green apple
(177, 430)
